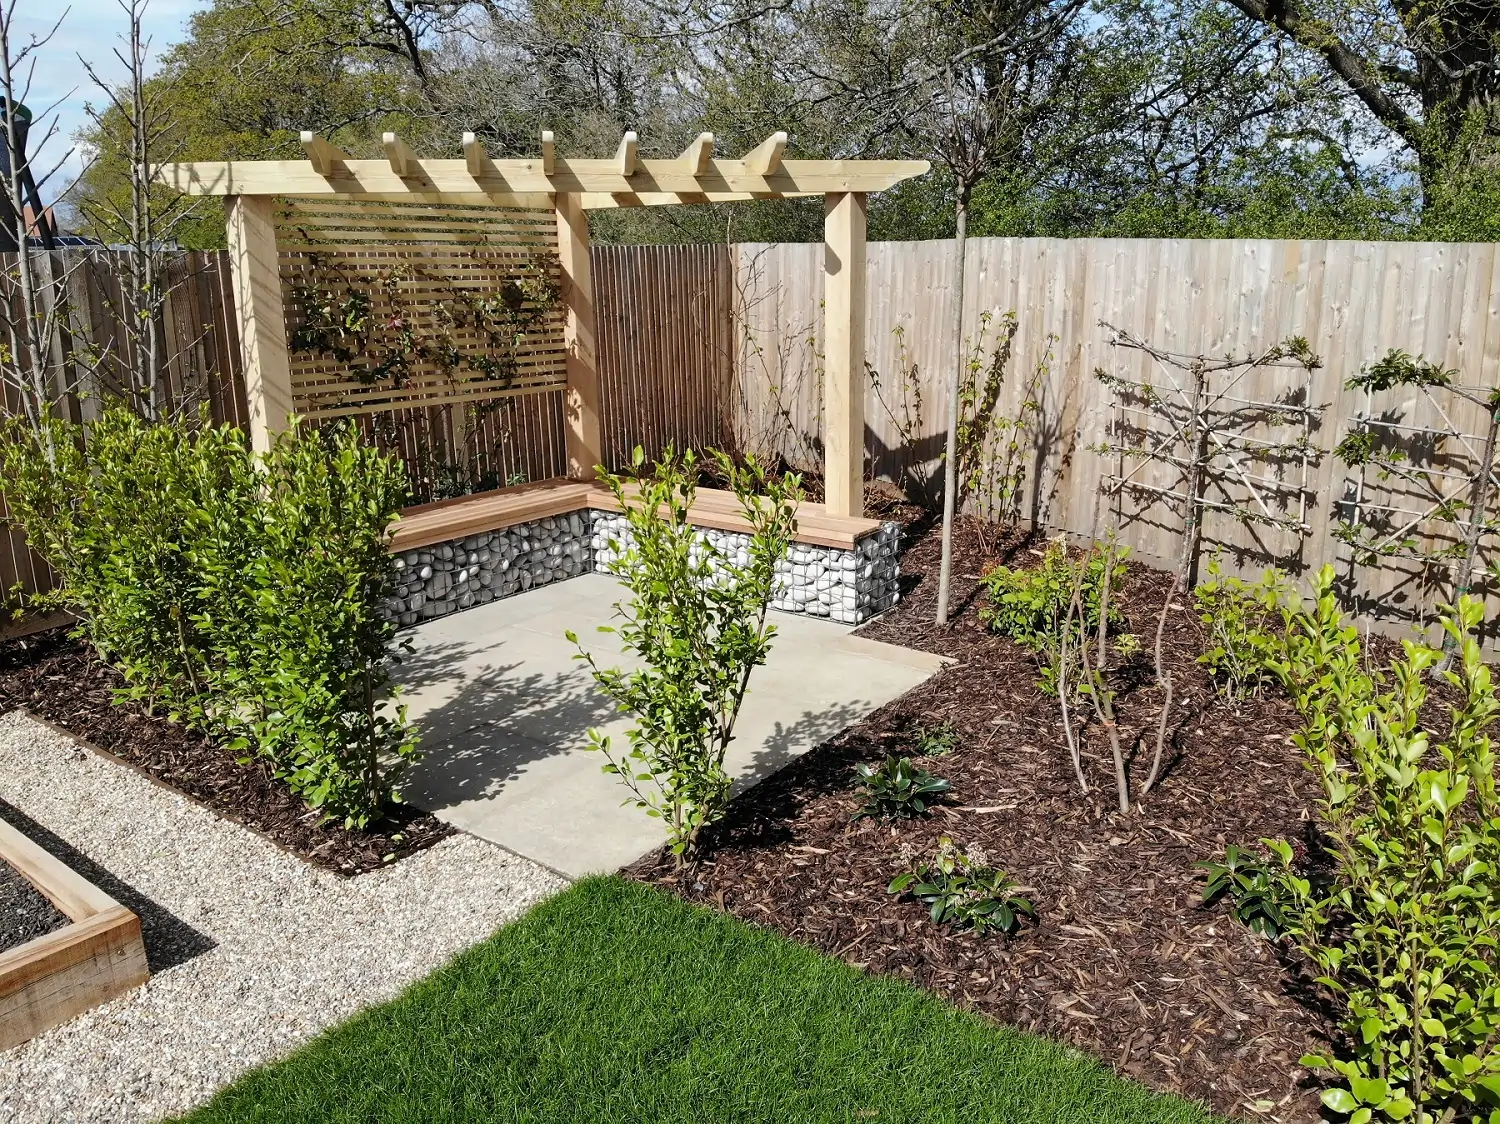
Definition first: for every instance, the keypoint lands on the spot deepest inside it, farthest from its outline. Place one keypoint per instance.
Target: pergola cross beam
(569, 188)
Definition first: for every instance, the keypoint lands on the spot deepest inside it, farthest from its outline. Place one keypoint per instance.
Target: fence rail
(715, 345)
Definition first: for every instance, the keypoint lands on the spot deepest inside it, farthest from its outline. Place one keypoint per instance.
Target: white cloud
(91, 28)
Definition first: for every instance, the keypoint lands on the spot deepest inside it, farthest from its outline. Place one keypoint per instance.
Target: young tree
(977, 84)
(34, 373)
(146, 220)
(695, 622)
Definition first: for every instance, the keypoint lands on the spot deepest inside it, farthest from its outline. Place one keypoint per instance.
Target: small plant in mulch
(961, 889)
(1242, 621)
(897, 789)
(1256, 886)
(936, 741)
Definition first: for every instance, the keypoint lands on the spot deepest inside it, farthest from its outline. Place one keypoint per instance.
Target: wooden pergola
(568, 189)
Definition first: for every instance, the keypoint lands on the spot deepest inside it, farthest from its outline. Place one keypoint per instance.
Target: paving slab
(505, 709)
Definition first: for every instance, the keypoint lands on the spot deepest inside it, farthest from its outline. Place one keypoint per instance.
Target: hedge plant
(237, 593)
(1406, 935)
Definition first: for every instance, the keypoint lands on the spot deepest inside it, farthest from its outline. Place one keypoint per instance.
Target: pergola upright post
(581, 399)
(844, 352)
(251, 234)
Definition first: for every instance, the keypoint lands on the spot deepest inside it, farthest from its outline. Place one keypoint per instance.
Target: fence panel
(1352, 301)
(664, 347)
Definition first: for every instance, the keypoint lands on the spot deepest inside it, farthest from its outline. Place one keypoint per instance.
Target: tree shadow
(501, 720)
(169, 940)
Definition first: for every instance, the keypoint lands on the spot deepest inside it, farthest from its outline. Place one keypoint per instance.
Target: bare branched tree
(146, 219)
(34, 371)
(970, 83)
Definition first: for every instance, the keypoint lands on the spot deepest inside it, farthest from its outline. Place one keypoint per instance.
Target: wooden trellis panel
(429, 254)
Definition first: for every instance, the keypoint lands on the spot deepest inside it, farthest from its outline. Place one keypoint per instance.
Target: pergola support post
(251, 233)
(844, 352)
(581, 399)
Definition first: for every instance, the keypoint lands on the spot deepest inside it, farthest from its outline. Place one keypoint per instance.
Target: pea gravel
(274, 951)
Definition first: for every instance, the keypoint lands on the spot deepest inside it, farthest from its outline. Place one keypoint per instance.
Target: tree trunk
(950, 456)
(1192, 522)
(1478, 499)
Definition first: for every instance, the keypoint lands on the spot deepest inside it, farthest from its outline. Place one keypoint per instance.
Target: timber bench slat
(429, 524)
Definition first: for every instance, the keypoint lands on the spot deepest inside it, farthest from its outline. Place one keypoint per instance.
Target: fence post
(581, 400)
(844, 352)
(251, 233)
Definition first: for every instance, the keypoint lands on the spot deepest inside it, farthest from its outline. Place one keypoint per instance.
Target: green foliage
(239, 593)
(1256, 887)
(1240, 618)
(1397, 368)
(897, 789)
(462, 331)
(696, 624)
(245, 79)
(1405, 935)
(961, 888)
(1029, 606)
(1356, 448)
(936, 741)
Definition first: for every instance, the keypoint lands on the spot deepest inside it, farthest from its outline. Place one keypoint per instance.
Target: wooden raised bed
(50, 979)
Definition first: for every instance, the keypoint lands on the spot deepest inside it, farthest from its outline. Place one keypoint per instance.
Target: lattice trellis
(420, 277)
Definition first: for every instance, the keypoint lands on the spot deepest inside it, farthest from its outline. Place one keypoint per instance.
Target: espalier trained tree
(696, 622)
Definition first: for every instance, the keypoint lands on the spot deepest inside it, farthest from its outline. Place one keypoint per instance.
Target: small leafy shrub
(238, 593)
(1405, 935)
(897, 789)
(1256, 887)
(1030, 605)
(696, 622)
(1241, 619)
(961, 888)
(936, 741)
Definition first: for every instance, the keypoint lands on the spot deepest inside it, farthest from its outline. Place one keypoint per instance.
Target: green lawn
(614, 1003)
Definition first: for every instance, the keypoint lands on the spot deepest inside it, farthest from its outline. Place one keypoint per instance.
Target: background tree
(1427, 70)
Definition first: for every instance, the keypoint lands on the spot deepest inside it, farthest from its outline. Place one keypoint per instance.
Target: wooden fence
(714, 345)
(1353, 301)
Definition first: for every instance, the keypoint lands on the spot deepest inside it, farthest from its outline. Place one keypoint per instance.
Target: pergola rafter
(569, 188)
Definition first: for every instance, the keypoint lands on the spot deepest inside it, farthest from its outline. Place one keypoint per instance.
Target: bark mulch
(60, 680)
(25, 913)
(1124, 961)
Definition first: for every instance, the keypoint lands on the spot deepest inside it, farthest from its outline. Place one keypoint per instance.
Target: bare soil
(1124, 961)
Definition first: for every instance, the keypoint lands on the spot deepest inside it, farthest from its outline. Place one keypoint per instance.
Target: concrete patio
(504, 709)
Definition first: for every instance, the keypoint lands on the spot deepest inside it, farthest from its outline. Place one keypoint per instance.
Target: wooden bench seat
(431, 523)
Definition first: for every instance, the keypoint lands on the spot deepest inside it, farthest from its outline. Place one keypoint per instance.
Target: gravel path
(253, 952)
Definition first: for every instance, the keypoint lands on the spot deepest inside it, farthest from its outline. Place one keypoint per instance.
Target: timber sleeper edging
(97, 956)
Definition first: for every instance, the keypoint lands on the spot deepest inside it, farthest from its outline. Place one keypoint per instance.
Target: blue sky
(91, 28)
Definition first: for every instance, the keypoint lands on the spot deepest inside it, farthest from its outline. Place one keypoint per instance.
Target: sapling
(695, 619)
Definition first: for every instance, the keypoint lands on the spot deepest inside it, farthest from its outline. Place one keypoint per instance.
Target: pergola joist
(569, 188)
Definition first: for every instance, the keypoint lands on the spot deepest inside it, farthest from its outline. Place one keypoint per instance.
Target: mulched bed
(60, 680)
(1124, 962)
(25, 913)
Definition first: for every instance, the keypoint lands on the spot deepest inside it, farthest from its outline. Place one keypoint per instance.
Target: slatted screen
(424, 269)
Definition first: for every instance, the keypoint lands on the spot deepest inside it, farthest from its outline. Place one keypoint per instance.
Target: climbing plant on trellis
(1190, 435)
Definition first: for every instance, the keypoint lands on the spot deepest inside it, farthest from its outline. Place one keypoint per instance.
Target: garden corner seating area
(1059, 764)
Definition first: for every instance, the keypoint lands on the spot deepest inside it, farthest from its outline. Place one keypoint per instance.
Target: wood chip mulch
(61, 681)
(1124, 963)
